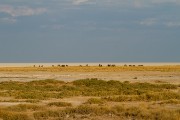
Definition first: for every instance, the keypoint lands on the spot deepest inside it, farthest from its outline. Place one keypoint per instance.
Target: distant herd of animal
(100, 65)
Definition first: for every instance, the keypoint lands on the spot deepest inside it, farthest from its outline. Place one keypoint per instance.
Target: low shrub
(95, 101)
(24, 107)
(59, 104)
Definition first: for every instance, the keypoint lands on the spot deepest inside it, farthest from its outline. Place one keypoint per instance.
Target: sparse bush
(32, 101)
(90, 82)
(156, 96)
(87, 109)
(24, 107)
(123, 98)
(46, 82)
(151, 96)
(44, 115)
(95, 101)
(59, 104)
(126, 82)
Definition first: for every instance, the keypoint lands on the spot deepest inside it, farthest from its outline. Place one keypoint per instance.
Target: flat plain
(90, 92)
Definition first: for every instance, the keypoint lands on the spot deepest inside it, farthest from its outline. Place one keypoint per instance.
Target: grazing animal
(113, 65)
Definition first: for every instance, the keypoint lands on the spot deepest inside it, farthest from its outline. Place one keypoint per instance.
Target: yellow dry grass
(92, 69)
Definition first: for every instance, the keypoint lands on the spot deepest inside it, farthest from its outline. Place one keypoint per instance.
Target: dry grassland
(132, 97)
(93, 69)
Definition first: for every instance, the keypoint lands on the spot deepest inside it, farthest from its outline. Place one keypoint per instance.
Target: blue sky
(89, 31)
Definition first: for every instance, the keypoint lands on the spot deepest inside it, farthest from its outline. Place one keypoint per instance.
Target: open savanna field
(90, 93)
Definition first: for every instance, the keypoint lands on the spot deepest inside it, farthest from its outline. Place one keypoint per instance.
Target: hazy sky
(89, 31)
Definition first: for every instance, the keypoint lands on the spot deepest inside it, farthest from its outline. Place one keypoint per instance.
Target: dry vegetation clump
(24, 108)
(59, 104)
(95, 101)
(32, 101)
(151, 96)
